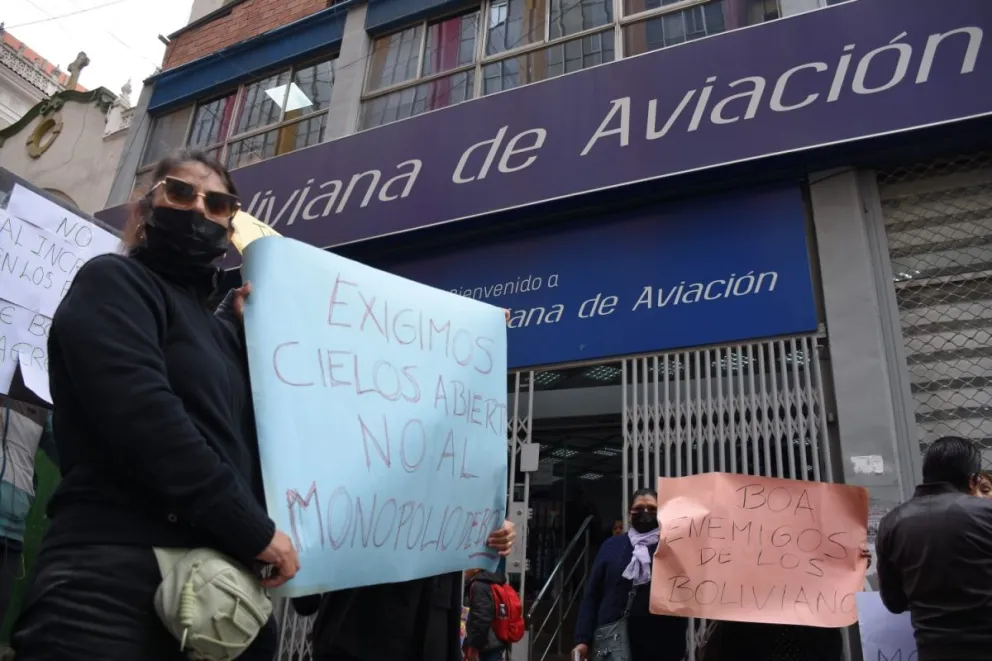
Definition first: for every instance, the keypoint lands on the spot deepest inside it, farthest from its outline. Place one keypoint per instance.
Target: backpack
(508, 621)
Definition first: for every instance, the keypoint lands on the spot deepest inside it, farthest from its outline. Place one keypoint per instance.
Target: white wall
(16, 96)
(203, 7)
(80, 163)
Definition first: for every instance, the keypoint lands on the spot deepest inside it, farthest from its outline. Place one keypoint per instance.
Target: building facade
(742, 235)
(69, 144)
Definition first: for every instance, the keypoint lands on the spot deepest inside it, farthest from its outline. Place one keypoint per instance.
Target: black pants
(11, 568)
(657, 637)
(96, 603)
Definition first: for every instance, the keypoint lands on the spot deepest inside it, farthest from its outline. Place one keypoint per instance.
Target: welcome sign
(675, 286)
(381, 415)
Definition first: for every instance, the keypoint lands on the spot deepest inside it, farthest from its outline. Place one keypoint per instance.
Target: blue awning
(247, 60)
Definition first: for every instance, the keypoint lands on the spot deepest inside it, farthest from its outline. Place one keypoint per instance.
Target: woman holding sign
(618, 591)
(154, 427)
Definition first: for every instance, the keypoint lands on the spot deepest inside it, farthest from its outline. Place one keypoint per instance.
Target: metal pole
(561, 602)
(585, 572)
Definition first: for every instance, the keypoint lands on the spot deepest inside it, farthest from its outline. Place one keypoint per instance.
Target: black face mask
(184, 236)
(644, 521)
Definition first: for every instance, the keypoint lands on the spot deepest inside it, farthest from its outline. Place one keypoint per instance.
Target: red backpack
(508, 622)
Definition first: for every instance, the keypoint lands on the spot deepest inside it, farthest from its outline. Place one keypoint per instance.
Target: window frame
(230, 137)
(484, 11)
(420, 78)
(621, 21)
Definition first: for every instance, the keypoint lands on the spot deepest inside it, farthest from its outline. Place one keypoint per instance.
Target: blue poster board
(381, 415)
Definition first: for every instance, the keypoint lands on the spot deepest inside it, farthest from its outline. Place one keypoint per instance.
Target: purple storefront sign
(844, 73)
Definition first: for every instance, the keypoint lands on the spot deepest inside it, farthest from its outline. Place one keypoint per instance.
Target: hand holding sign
(756, 549)
(240, 296)
(281, 556)
(502, 540)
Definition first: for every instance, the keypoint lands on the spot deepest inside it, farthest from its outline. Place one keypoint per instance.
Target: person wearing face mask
(155, 433)
(619, 586)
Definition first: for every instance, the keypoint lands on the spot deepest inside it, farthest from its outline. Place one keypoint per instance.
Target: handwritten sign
(381, 414)
(884, 635)
(42, 247)
(36, 266)
(755, 549)
(22, 333)
(35, 378)
(247, 228)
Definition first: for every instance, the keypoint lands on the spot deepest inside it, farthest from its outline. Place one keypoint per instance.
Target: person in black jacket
(935, 556)
(155, 431)
(623, 564)
(418, 620)
(481, 643)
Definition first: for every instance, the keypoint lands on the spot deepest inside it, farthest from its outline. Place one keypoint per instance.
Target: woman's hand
(865, 553)
(507, 311)
(280, 554)
(502, 539)
(240, 295)
(581, 651)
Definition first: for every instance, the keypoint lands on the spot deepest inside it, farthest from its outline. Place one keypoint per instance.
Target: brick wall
(247, 19)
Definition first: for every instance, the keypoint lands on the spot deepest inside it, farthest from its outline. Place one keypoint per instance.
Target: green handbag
(212, 605)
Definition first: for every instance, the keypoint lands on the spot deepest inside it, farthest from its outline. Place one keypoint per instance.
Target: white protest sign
(23, 333)
(42, 247)
(884, 636)
(45, 214)
(35, 377)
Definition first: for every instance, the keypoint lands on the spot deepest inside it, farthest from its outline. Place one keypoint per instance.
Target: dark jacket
(935, 560)
(479, 632)
(152, 415)
(605, 598)
(412, 621)
(748, 641)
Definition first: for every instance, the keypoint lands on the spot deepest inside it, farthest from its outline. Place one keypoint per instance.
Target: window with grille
(277, 114)
(504, 44)
(938, 221)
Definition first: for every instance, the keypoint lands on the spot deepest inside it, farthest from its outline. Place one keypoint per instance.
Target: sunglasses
(183, 194)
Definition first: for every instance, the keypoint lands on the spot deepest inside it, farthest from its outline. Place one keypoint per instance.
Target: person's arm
(585, 626)
(108, 334)
(890, 587)
(481, 611)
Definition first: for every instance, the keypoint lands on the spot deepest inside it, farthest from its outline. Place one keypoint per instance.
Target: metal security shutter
(755, 409)
(294, 633)
(938, 220)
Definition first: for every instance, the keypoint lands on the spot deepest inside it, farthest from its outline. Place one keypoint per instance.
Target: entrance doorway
(607, 430)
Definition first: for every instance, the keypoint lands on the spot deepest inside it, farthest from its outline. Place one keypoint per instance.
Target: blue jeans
(491, 655)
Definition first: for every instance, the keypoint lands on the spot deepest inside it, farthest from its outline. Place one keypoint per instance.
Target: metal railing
(566, 592)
